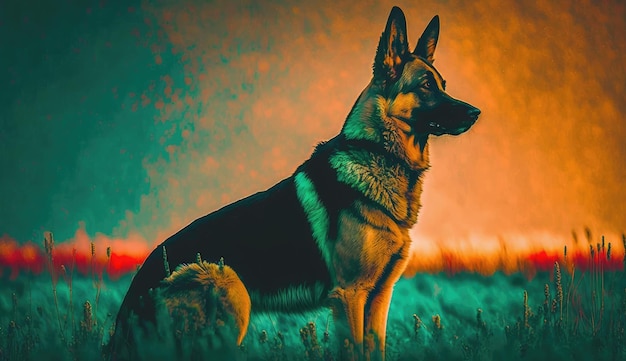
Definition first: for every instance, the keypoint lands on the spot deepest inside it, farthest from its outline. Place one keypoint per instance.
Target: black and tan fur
(205, 295)
(336, 232)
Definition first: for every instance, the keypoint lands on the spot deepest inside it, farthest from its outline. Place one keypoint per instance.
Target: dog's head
(406, 100)
(414, 88)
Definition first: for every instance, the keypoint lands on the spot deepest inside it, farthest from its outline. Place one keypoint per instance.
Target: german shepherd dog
(336, 232)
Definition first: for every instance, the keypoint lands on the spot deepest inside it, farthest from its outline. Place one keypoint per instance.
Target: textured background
(123, 121)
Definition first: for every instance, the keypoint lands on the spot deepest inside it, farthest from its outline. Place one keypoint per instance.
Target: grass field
(575, 310)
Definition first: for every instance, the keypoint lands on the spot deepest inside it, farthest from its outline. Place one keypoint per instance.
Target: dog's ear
(393, 48)
(427, 43)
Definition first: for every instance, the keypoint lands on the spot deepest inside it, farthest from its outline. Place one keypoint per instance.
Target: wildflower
(602, 243)
(437, 332)
(313, 332)
(479, 320)
(526, 310)
(559, 288)
(417, 324)
(87, 321)
(48, 241)
(304, 336)
(437, 321)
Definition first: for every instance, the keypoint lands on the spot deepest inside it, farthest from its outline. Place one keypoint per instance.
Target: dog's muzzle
(455, 118)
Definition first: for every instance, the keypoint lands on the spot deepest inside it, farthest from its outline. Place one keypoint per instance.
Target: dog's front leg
(348, 306)
(377, 311)
(376, 324)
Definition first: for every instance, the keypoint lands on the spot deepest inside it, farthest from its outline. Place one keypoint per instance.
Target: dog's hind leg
(208, 295)
(348, 305)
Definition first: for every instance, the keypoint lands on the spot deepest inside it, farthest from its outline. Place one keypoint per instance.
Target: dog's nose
(473, 113)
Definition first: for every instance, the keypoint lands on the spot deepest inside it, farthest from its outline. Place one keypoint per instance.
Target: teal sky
(72, 148)
(128, 118)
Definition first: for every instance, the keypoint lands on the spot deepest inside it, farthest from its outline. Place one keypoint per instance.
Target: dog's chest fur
(361, 202)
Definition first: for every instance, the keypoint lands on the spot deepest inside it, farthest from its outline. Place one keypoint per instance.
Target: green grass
(565, 314)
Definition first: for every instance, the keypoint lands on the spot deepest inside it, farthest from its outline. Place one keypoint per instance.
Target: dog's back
(257, 236)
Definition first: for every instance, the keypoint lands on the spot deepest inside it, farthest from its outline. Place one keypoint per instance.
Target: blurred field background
(121, 122)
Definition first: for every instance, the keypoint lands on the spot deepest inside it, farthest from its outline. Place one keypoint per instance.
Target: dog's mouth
(436, 128)
(439, 129)
(454, 119)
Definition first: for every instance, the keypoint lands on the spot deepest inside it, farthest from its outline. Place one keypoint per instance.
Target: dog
(336, 232)
(205, 295)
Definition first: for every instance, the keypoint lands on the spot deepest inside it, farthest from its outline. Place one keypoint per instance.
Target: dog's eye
(427, 84)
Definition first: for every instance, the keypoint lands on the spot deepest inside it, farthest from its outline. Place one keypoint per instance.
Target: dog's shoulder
(341, 171)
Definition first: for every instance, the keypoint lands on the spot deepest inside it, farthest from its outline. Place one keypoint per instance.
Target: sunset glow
(126, 256)
(72, 258)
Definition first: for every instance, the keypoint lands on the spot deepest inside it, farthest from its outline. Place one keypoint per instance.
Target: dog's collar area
(362, 143)
(374, 147)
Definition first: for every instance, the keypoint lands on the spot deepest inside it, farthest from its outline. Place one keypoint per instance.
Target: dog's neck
(382, 158)
(369, 120)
